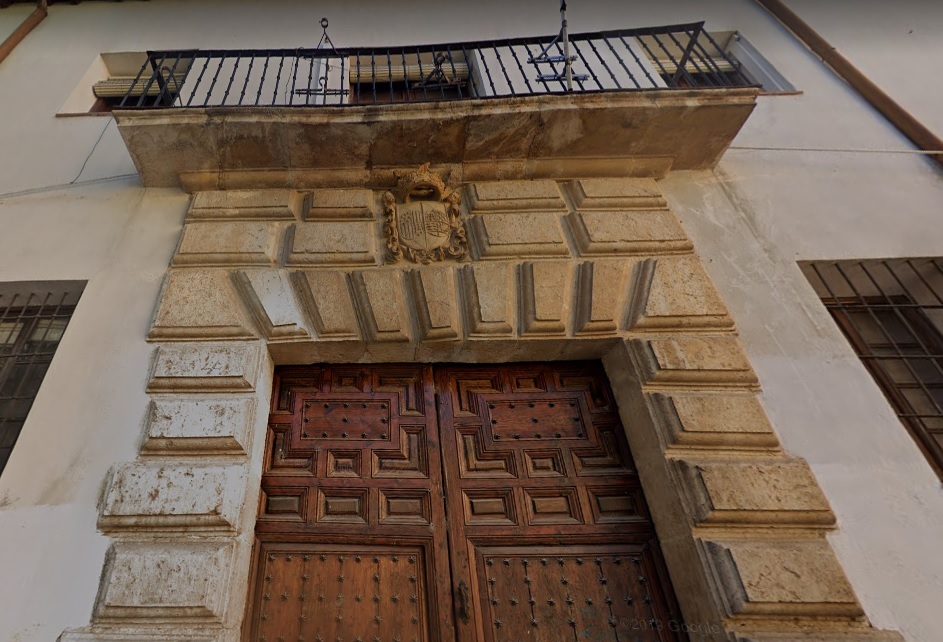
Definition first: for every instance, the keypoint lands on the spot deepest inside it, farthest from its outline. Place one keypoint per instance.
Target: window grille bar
(895, 298)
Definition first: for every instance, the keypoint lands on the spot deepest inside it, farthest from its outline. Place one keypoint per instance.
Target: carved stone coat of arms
(424, 223)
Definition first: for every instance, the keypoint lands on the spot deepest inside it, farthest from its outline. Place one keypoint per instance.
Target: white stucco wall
(751, 221)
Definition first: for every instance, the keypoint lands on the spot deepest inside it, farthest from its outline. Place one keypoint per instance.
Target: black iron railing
(673, 57)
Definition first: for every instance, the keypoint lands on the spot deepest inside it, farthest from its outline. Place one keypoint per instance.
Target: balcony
(644, 99)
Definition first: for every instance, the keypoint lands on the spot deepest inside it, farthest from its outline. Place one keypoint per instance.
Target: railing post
(687, 52)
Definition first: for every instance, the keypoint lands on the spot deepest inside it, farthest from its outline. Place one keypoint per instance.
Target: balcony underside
(613, 133)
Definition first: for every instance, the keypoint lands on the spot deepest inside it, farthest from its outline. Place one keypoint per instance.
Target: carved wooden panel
(467, 504)
(351, 519)
(553, 538)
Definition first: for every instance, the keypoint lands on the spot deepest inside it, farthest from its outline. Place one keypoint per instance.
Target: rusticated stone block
(247, 204)
(488, 299)
(775, 492)
(199, 304)
(228, 243)
(545, 297)
(675, 293)
(381, 304)
(152, 496)
(213, 366)
(613, 194)
(600, 293)
(271, 302)
(157, 580)
(333, 243)
(433, 293)
(341, 204)
(137, 632)
(693, 362)
(528, 234)
(198, 426)
(515, 196)
(786, 578)
(325, 296)
(725, 421)
(628, 232)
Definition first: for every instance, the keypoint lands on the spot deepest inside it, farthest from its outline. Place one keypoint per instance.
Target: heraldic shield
(425, 225)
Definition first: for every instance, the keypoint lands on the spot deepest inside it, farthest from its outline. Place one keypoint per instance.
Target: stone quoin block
(196, 426)
(515, 196)
(223, 243)
(527, 234)
(613, 194)
(273, 204)
(214, 366)
(333, 243)
(200, 304)
(640, 232)
(693, 362)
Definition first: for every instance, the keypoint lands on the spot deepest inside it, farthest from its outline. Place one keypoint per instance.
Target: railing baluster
(626, 59)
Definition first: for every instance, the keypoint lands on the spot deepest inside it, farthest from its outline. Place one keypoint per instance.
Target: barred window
(33, 318)
(891, 311)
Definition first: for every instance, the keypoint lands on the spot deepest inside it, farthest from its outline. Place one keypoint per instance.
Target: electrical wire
(841, 150)
(52, 188)
(94, 147)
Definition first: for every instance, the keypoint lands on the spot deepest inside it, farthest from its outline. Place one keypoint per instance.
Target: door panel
(350, 527)
(553, 536)
(470, 503)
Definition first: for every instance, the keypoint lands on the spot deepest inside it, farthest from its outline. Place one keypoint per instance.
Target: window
(892, 313)
(33, 318)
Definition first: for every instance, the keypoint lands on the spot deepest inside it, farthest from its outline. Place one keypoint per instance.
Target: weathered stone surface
(859, 635)
(693, 362)
(199, 304)
(675, 293)
(781, 577)
(326, 297)
(207, 366)
(228, 243)
(515, 196)
(341, 204)
(489, 301)
(600, 293)
(616, 194)
(381, 305)
(158, 495)
(713, 421)
(198, 426)
(135, 632)
(255, 204)
(333, 243)
(628, 232)
(527, 234)
(169, 580)
(271, 302)
(734, 492)
(435, 303)
(545, 297)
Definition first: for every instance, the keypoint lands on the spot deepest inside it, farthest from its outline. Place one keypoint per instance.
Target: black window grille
(891, 311)
(33, 318)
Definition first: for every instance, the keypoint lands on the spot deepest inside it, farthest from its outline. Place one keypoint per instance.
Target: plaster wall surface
(750, 221)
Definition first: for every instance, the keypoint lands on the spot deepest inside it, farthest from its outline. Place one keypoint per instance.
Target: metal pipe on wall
(918, 133)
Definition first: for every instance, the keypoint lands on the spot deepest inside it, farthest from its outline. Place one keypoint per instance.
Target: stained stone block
(787, 578)
(166, 580)
(645, 232)
(247, 204)
(228, 243)
(488, 299)
(528, 234)
(693, 362)
(133, 632)
(199, 304)
(726, 421)
(600, 293)
(775, 492)
(339, 204)
(269, 298)
(149, 496)
(333, 243)
(198, 426)
(381, 303)
(612, 194)
(326, 298)
(545, 297)
(675, 293)
(433, 293)
(217, 367)
(515, 196)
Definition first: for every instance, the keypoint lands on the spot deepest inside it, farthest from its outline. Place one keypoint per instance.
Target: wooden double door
(411, 503)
